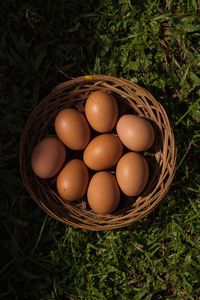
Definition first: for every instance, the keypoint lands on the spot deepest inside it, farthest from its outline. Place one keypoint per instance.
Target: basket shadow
(158, 143)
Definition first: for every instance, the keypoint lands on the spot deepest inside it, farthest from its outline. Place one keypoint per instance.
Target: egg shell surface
(101, 110)
(48, 157)
(103, 152)
(103, 193)
(72, 129)
(132, 173)
(136, 133)
(72, 181)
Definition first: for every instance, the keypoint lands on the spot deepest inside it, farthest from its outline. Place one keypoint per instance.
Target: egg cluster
(110, 163)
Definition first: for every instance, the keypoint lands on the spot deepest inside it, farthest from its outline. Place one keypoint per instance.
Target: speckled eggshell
(101, 110)
(72, 181)
(103, 193)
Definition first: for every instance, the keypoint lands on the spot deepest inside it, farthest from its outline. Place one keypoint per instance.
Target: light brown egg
(136, 133)
(132, 173)
(72, 181)
(103, 193)
(103, 152)
(72, 129)
(48, 157)
(101, 110)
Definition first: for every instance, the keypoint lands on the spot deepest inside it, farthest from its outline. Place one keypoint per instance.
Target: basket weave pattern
(131, 99)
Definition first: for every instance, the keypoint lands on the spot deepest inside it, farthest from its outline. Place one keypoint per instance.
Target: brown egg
(72, 128)
(72, 181)
(48, 157)
(132, 173)
(103, 152)
(101, 110)
(136, 133)
(103, 193)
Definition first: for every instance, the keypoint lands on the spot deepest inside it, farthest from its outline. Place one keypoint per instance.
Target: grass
(153, 43)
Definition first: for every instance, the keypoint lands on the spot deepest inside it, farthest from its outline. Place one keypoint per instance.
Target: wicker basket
(161, 157)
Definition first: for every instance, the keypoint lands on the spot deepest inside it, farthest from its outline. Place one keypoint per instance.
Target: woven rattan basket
(131, 99)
